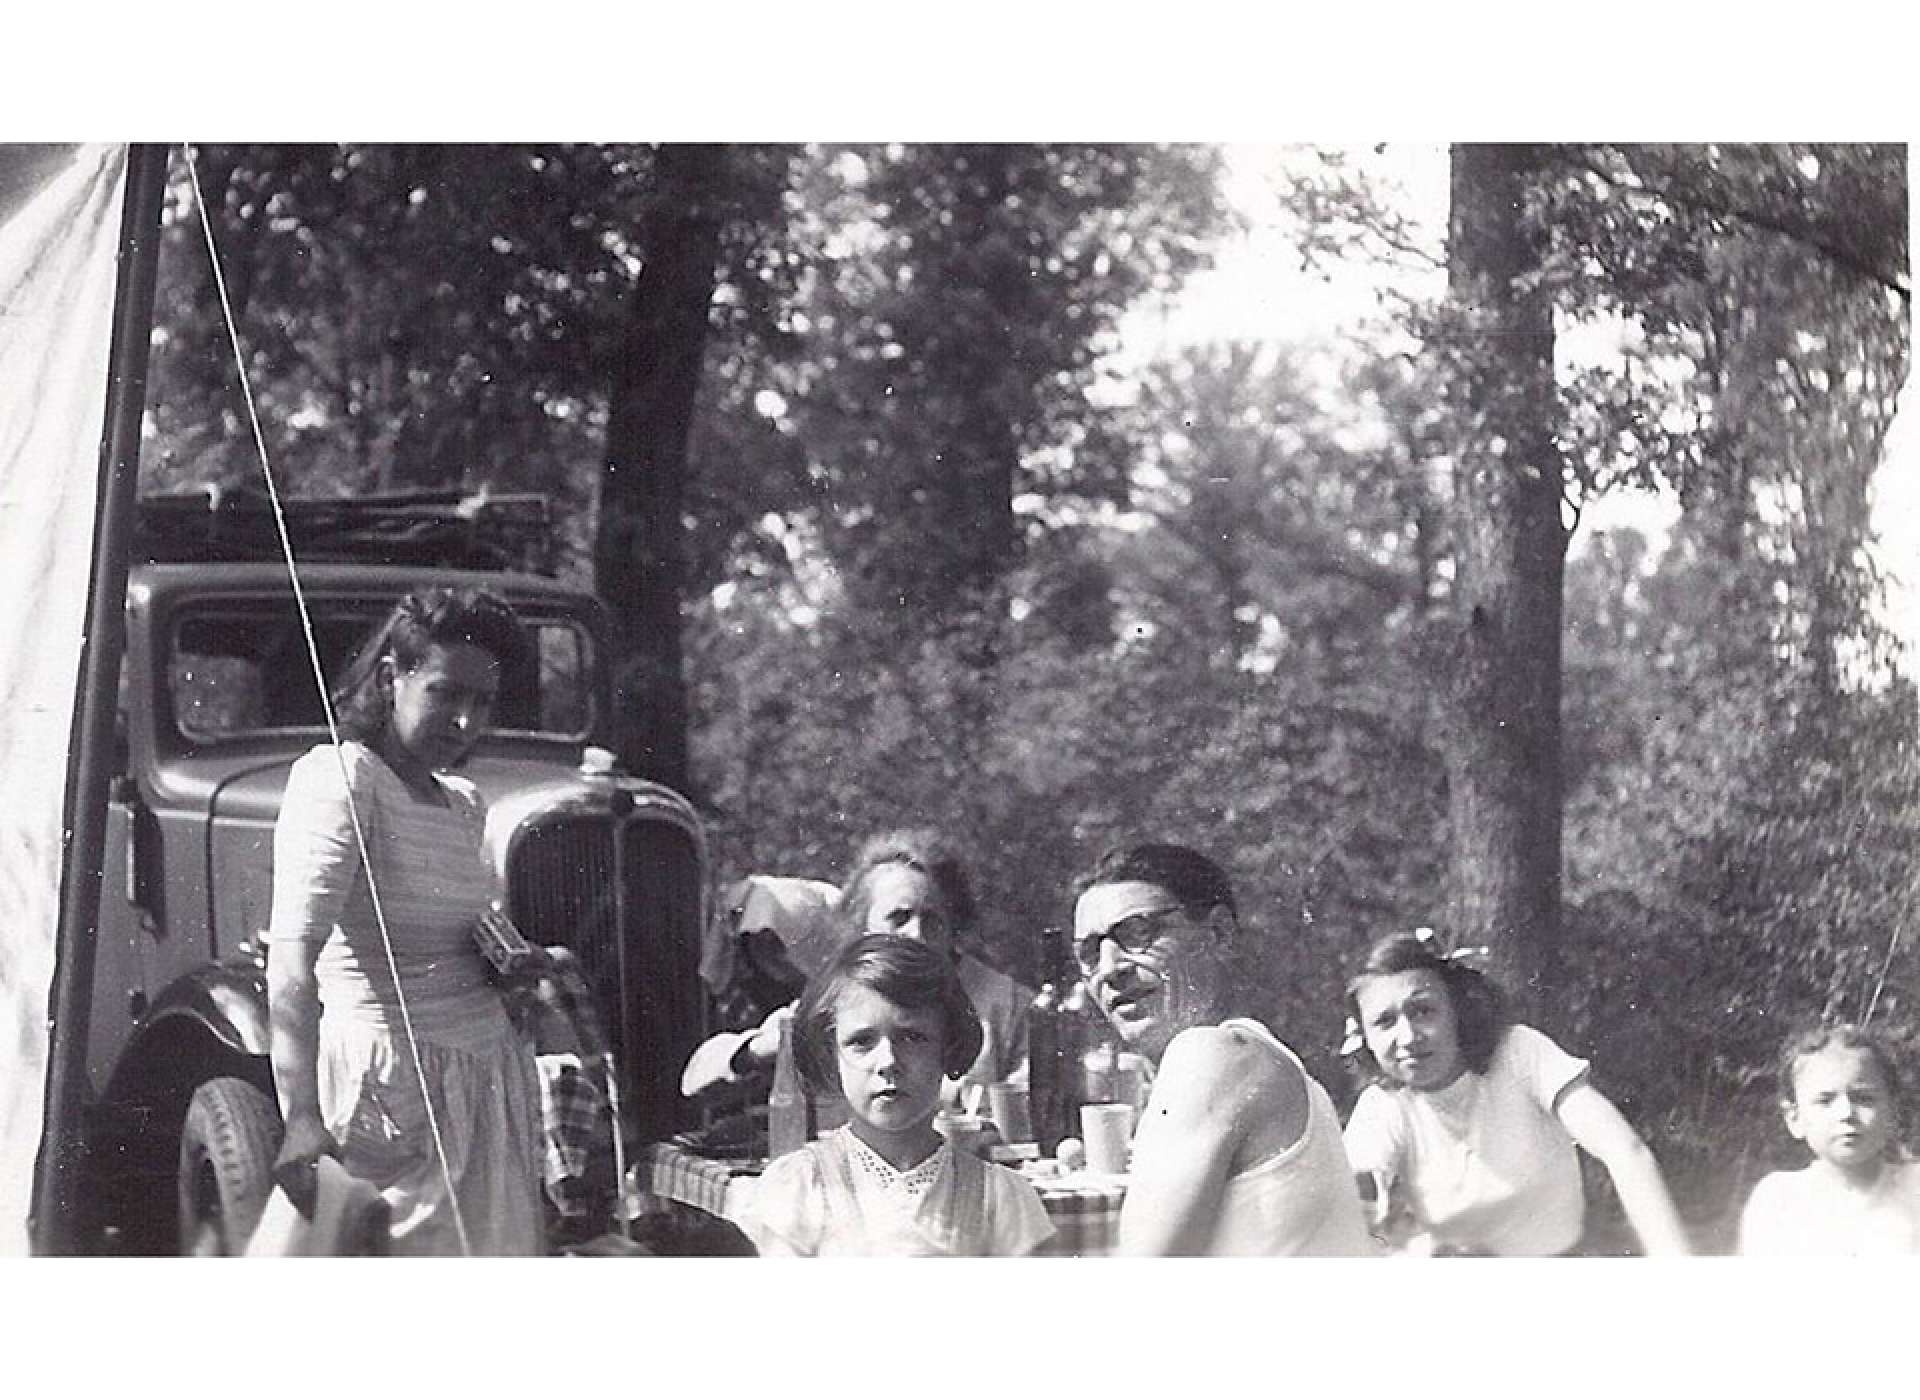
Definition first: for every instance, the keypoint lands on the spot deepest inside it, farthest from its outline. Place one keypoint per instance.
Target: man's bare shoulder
(1233, 1056)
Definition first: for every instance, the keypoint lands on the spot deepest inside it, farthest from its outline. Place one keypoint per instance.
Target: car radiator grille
(624, 897)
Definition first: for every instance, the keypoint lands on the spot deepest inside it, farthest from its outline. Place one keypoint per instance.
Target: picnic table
(1084, 1208)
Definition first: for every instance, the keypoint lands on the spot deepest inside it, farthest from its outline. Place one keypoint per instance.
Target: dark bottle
(1044, 1070)
(1055, 1035)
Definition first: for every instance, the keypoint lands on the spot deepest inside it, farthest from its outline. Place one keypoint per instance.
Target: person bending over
(907, 883)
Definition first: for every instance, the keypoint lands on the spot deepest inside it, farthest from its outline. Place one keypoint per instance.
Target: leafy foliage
(1742, 849)
(1734, 328)
(962, 299)
(411, 315)
(1193, 667)
(1742, 862)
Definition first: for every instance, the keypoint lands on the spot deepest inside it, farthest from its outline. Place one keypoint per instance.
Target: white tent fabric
(59, 232)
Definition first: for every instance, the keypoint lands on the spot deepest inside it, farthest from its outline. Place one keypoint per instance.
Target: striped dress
(433, 882)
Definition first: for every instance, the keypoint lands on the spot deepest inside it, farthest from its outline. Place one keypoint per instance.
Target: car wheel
(227, 1147)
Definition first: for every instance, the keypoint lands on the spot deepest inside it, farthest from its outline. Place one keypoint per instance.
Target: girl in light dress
(1470, 1122)
(1838, 1095)
(883, 1024)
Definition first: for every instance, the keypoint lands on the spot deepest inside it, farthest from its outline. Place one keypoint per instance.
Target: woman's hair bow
(1427, 940)
(1353, 1040)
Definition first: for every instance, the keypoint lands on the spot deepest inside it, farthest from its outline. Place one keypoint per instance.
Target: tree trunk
(993, 456)
(1503, 699)
(639, 564)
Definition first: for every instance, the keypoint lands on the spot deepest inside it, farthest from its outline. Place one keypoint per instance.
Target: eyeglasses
(1136, 935)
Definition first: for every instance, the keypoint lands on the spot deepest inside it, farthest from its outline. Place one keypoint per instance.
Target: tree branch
(1756, 218)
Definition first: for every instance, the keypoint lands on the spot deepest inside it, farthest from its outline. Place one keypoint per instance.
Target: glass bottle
(788, 1128)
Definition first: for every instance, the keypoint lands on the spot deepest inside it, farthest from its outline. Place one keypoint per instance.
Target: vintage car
(217, 698)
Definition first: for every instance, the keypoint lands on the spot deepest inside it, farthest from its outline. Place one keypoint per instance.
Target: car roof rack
(447, 528)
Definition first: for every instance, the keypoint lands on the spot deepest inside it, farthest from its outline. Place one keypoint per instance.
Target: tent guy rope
(326, 702)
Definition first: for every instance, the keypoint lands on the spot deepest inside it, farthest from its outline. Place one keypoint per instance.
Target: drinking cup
(1107, 1131)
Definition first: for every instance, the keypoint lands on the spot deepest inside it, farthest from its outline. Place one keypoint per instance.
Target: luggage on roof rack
(445, 528)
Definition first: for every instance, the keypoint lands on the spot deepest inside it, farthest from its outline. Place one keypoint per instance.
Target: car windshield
(241, 669)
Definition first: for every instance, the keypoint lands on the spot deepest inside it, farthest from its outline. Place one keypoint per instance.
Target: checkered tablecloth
(1085, 1210)
(675, 1174)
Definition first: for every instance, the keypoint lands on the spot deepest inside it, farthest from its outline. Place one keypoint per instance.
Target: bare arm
(726, 1057)
(1375, 1143)
(1207, 1094)
(315, 860)
(1591, 1119)
(1015, 1066)
(293, 1019)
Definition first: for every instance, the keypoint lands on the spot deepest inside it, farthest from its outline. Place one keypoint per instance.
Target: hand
(295, 1172)
(765, 1043)
(304, 1142)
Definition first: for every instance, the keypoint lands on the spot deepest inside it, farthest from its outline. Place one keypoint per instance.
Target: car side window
(566, 691)
(218, 688)
(237, 671)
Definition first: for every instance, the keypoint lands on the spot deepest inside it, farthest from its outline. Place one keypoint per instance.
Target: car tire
(227, 1147)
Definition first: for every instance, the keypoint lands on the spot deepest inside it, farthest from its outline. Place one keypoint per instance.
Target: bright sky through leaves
(1258, 290)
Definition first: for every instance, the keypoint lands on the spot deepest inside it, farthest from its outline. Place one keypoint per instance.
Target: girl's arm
(784, 1213)
(1760, 1219)
(1372, 1138)
(293, 1019)
(730, 1056)
(1592, 1121)
(1014, 1064)
(315, 860)
(1018, 1222)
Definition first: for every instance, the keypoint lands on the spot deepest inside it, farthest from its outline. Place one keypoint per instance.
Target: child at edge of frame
(1839, 1095)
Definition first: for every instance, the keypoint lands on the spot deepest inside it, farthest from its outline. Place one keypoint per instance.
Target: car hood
(251, 790)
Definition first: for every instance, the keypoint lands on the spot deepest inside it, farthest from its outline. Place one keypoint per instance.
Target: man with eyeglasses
(1238, 1149)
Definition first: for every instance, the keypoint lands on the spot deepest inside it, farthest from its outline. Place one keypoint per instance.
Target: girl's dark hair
(907, 973)
(1811, 1040)
(1190, 877)
(1479, 1007)
(919, 848)
(363, 700)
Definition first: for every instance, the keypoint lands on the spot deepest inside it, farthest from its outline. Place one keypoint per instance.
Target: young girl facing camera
(1470, 1121)
(883, 1024)
(1837, 1093)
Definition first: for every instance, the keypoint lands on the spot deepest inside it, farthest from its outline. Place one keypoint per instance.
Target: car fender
(229, 999)
(209, 1022)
